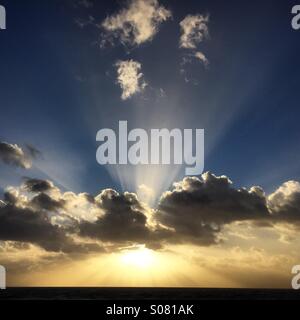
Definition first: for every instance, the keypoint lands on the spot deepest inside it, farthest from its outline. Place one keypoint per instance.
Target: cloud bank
(195, 211)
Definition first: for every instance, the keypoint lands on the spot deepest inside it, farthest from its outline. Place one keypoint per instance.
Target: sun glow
(141, 257)
(135, 266)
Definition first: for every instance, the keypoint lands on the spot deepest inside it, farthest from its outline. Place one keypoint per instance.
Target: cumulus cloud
(139, 22)
(124, 218)
(39, 213)
(20, 224)
(130, 78)
(196, 211)
(194, 29)
(12, 154)
(44, 202)
(40, 218)
(197, 208)
(284, 203)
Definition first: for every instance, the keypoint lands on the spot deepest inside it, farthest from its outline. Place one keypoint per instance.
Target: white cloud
(285, 201)
(194, 30)
(130, 78)
(137, 23)
(200, 56)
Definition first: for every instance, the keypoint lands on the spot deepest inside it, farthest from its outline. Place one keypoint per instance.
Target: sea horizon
(147, 293)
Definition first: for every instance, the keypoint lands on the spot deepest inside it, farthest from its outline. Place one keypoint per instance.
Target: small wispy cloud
(130, 79)
(194, 30)
(82, 23)
(12, 154)
(84, 3)
(200, 56)
(137, 23)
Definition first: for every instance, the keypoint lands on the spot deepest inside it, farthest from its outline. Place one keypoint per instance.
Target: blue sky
(58, 88)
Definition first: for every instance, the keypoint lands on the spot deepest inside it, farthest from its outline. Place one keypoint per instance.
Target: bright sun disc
(141, 258)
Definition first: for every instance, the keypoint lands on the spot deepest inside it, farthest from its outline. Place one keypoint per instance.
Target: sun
(140, 257)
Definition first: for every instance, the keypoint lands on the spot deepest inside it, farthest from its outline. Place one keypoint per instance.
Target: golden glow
(176, 266)
(141, 258)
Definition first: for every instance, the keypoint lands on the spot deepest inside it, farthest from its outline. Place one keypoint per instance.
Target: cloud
(187, 60)
(43, 201)
(200, 56)
(37, 185)
(40, 218)
(27, 225)
(38, 213)
(13, 155)
(284, 203)
(137, 23)
(82, 23)
(33, 152)
(130, 78)
(124, 219)
(197, 208)
(205, 213)
(85, 3)
(196, 211)
(194, 29)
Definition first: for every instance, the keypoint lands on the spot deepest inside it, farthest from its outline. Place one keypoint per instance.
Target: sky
(70, 68)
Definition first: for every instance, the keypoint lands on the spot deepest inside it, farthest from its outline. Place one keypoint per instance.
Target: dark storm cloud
(198, 208)
(124, 219)
(44, 201)
(10, 197)
(26, 225)
(214, 199)
(195, 211)
(37, 185)
(12, 154)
